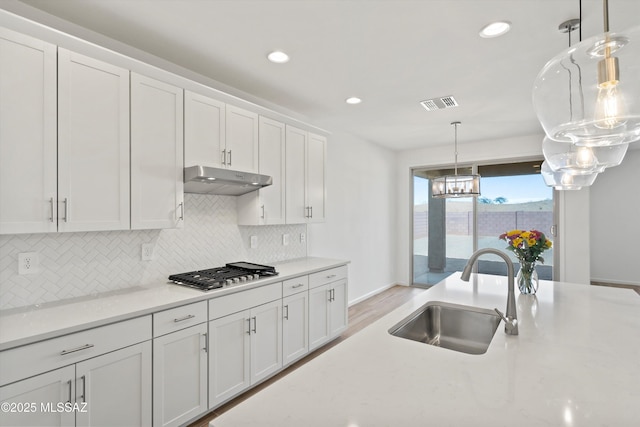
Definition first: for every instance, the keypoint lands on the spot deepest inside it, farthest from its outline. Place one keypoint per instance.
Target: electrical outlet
(254, 242)
(285, 239)
(28, 263)
(147, 251)
(303, 237)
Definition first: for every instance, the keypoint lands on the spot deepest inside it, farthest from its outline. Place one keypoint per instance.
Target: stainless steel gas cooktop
(219, 277)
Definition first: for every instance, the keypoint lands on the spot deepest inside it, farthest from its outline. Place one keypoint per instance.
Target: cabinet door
(116, 387)
(295, 183)
(318, 316)
(180, 376)
(338, 308)
(241, 139)
(229, 364)
(44, 391)
(272, 163)
(156, 154)
(266, 340)
(27, 134)
(295, 327)
(93, 144)
(316, 158)
(204, 130)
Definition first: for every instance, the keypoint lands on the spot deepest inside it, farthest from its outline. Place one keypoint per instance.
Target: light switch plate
(254, 242)
(285, 239)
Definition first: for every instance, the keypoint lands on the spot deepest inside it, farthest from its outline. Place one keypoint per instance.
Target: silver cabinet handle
(306, 214)
(332, 295)
(297, 286)
(229, 157)
(223, 157)
(331, 276)
(182, 319)
(255, 325)
(73, 350)
(181, 217)
(329, 292)
(66, 209)
(83, 396)
(262, 216)
(206, 343)
(286, 316)
(249, 327)
(311, 208)
(51, 206)
(69, 383)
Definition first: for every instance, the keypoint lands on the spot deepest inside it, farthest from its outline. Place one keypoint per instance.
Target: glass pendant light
(577, 160)
(589, 94)
(456, 185)
(565, 181)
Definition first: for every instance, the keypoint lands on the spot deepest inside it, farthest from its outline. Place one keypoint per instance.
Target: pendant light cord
(455, 145)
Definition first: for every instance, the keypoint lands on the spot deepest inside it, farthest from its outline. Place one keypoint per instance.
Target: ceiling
(391, 53)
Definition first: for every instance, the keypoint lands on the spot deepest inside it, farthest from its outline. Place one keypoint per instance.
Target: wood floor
(360, 315)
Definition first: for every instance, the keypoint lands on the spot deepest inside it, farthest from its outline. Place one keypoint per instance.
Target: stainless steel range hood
(226, 182)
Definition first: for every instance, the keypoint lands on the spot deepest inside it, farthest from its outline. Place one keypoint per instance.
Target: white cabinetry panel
(267, 205)
(116, 387)
(28, 123)
(156, 154)
(180, 376)
(241, 139)
(296, 154)
(204, 130)
(93, 144)
(46, 390)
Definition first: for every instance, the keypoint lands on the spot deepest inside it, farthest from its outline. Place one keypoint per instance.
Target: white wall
(615, 222)
(361, 214)
(511, 149)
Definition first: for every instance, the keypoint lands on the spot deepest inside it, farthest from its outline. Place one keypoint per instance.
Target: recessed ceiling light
(278, 57)
(353, 100)
(495, 29)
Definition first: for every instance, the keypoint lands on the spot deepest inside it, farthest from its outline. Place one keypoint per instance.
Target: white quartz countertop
(30, 324)
(575, 362)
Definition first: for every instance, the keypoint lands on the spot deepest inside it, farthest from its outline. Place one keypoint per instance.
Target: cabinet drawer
(179, 318)
(23, 362)
(327, 276)
(293, 286)
(228, 304)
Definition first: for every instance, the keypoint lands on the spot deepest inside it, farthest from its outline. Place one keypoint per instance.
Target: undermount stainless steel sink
(456, 327)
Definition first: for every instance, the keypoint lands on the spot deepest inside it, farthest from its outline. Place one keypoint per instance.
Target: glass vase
(527, 278)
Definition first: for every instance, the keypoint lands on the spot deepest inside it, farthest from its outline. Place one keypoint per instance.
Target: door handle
(206, 343)
(255, 325)
(223, 157)
(286, 316)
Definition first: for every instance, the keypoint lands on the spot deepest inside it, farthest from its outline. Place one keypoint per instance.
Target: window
(447, 231)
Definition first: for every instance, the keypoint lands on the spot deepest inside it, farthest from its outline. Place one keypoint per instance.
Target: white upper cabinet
(204, 130)
(296, 155)
(156, 154)
(27, 134)
(305, 176)
(219, 135)
(93, 144)
(241, 151)
(267, 205)
(316, 161)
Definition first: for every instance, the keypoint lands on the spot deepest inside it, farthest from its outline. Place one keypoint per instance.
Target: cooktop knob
(243, 278)
(236, 280)
(229, 282)
(256, 276)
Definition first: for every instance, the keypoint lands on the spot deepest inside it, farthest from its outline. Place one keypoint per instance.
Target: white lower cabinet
(116, 387)
(109, 390)
(245, 348)
(295, 327)
(180, 376)
(96, 377)
(327, 305)
(31, 402)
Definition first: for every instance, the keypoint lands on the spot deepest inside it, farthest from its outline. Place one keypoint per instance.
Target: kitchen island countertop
(574, 363)
(35, 323)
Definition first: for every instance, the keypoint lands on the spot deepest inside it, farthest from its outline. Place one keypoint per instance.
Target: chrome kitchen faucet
(511, 319)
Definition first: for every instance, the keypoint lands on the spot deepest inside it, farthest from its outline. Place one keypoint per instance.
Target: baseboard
(372, 293)
(618, 283)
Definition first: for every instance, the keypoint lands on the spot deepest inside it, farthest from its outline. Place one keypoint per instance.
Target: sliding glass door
(447, 231)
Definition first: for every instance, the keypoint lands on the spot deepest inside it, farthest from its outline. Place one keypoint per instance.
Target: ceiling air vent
(439, 103)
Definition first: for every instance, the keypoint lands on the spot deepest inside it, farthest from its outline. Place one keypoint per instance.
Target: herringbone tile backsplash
(81, 264)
